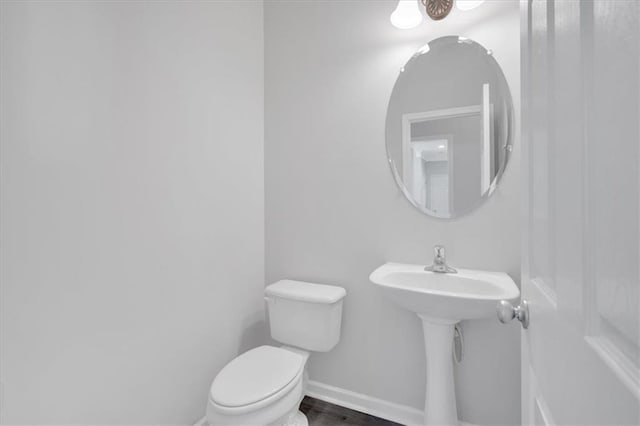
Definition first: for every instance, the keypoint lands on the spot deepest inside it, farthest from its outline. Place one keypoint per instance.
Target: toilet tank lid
(306, 292)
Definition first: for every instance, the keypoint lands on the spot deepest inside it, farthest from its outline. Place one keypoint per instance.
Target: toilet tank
(305, 315)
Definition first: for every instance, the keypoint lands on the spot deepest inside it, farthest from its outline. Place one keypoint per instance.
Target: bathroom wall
(334, 213)
(132, 206)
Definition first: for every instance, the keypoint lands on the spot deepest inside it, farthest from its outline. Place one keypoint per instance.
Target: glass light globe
(407, 15)
(468, 4)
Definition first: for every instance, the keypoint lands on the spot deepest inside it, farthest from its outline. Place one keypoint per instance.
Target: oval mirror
(449, 127)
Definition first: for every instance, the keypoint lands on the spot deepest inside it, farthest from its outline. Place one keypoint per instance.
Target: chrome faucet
(439, 262)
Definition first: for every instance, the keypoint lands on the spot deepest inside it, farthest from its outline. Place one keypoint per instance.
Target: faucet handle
(439, 262)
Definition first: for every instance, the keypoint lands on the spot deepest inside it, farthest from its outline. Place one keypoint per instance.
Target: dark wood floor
(320, 413)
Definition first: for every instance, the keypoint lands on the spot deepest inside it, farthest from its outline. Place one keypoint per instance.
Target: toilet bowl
(265, 385)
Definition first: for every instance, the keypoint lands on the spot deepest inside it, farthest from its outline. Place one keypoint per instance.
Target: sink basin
(465, 295)
(441, 300)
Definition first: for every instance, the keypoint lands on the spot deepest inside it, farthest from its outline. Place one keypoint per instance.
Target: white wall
(132, 206)
(334, 213)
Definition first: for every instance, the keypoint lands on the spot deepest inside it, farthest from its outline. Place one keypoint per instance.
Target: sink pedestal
(440, 399)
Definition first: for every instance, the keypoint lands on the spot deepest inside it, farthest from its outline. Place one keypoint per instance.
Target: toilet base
(296, 418)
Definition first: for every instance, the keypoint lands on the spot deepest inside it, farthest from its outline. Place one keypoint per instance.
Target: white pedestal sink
(441, 300)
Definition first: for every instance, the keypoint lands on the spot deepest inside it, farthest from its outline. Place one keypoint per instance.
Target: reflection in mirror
(449, 124)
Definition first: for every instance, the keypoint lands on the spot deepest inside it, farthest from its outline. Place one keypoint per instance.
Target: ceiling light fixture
(407, 14)
(437, 9)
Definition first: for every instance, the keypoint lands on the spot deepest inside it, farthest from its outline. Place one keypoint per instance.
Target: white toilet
(264, 386)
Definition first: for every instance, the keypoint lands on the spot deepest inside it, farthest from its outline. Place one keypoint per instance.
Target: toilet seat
(256, 379)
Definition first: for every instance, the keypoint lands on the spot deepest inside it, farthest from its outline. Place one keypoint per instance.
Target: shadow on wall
(255, 333)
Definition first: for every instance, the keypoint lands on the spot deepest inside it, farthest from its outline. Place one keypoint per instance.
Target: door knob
(507, 312)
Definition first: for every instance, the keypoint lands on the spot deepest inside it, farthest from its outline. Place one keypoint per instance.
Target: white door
(581, 75)
(439, 191)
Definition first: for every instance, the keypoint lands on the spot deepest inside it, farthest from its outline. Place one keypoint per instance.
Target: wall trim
(367, 404)
(398, 413)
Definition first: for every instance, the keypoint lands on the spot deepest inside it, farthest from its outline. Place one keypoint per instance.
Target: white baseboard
(367, 404)
(398, 413)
